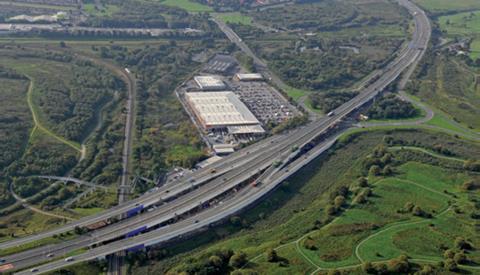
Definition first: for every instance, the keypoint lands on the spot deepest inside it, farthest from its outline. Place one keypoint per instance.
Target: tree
(461, 243)
(368, 268)
(362, 182)
(460, 258)
(272, 255)
(387, 170)
(339, 201)
(448, 254)
(426, 270)
(375, 170)
(238, 260)
(450, 265)
(330, 210)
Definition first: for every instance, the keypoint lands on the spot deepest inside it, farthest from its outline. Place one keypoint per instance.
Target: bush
(461, 243)
(238, 260)
(392, 107)
(450, 265)
(460, 258)
(339, 201)
(272, 255)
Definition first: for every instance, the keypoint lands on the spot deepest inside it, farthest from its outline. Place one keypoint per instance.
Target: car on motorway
(49, 255)
(331, 114)
(69, 259)
(34, 270)
(2, 261)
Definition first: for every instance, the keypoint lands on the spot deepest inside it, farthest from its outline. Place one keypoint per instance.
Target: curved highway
(243, 162)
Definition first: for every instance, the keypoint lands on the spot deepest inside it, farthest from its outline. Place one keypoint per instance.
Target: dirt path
(25, 204)
(37, 123)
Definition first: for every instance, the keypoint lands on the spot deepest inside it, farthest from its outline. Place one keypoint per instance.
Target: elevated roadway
(298, 138)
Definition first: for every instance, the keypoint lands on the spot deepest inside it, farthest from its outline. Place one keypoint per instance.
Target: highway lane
(244, 198)
(201, 176)
(397, 67)
(165, 213)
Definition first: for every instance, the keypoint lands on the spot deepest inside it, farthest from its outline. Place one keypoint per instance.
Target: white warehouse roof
(220, 109)
(209, 83)
(249, 77)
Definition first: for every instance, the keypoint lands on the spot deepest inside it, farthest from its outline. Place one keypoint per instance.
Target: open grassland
(465, 23)
(235, 18)
(295, 221)
(187, 5)
(445, 6)
(26, 222)
(108, 10)
(452, 87)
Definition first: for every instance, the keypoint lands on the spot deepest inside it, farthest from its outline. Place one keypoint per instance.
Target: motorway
(242, 164)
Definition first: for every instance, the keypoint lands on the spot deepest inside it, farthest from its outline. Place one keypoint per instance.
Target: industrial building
(209, 83)
(248, 77)
(223, 111)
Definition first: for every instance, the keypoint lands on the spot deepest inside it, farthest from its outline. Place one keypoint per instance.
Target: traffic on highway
(217, 191)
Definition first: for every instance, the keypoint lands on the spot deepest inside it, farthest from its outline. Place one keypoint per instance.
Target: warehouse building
(248, 77)
(223, 111)
(209, 83)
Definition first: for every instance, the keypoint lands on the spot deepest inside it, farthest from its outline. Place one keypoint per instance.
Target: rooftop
(221, 109)
(209, 82)
(246, 77)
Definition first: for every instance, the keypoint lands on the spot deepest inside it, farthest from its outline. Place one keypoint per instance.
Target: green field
(235, 18)
(465, 23)
(107, 10)
(187, 5)
(437, 6)
(450, 87)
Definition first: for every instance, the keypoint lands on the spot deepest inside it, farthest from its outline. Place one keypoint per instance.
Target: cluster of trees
(362, 191)
(392, 107)
(399, 265)
(165, 136)
(142, 14)
(330, 100)
(338, 201)
(28, 187)
(472, 165)
(224, 5)
(223, 261)
(15, 117)
(379, 162)
(457, 255)
(287, 125)
(70, 105)
(11, 74)
(415, 210)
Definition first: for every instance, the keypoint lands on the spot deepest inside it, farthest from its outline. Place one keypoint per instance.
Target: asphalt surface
(295, 138)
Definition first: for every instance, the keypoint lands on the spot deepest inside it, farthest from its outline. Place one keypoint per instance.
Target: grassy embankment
(296, 213)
